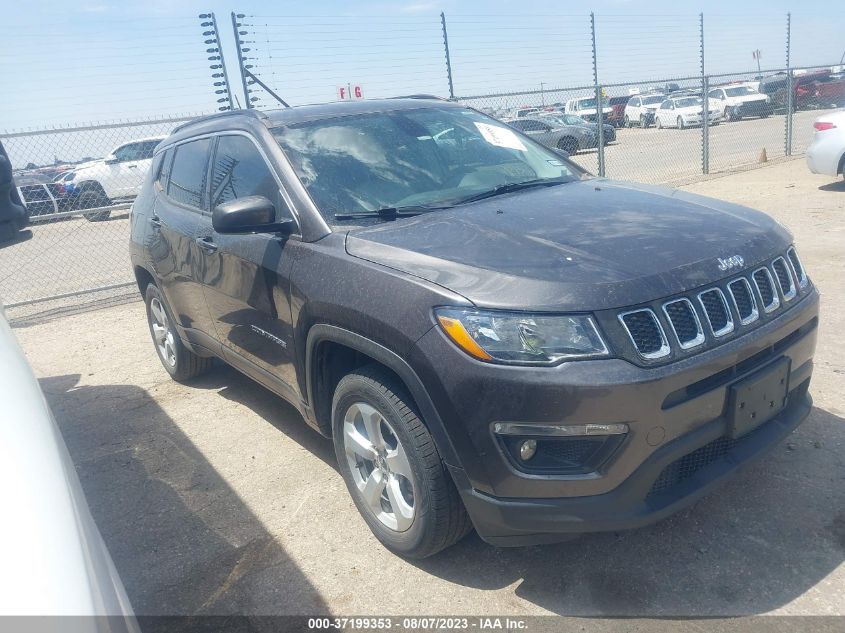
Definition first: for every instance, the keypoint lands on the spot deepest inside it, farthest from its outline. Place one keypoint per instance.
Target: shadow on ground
(181, 538)
(839, 185)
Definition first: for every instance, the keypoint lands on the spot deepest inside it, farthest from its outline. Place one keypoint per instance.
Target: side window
(126, 152)
(189, 172)
(239, 171)
(531, 126)
(146, 149)
(635, 102)
(165, 161)
(519, 125)
(666, 105)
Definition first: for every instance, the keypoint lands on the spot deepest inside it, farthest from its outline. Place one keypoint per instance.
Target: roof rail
(420, 96)
(251, 112)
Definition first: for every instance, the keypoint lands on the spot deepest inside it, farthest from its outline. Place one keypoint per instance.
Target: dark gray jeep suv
(491, 336)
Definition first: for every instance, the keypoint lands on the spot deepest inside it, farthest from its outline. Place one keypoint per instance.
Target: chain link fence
(624, 95)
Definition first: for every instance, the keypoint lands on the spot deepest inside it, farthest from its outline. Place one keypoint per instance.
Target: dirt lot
(216, 498)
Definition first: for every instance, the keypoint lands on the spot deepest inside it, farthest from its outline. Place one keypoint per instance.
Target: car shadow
(838, 185)
(19, 237)
(764, 539)
(183, 541)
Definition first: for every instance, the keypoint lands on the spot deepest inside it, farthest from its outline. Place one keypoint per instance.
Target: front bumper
(512, 507)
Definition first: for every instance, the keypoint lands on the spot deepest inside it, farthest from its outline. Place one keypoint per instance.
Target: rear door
(246, 278)
(181, 199)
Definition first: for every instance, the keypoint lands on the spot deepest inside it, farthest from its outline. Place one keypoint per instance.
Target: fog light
(527, 449)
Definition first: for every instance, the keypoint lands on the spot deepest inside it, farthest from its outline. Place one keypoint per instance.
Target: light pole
(542, 95)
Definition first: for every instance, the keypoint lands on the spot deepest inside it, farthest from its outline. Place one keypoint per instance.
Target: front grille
(765, 286)
(797, 267)
(684, 322)
(787, 286)
(744, 302)
(717, 312)
(645, 332)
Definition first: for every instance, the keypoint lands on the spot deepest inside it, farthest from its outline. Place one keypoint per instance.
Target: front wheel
(391, 467)
(568, 145)
(91, 199)
(643, 122)
(680, 123)
(658, 122)
(627, 122)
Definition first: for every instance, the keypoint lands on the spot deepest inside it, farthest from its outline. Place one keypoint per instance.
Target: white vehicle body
(826, 153)
(683, 111)
(54, 559)
(119, 175)
(585, 107)
(640, 109)
(738, 100)
(524, 112)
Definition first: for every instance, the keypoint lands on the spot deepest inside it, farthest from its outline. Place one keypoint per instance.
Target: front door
(246, 278)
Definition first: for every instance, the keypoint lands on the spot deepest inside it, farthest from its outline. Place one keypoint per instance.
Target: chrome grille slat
(641, 325)
(784, 277)
(676, 312)
(765, 285)
(716, 310)
(797, 267)
(746, 294)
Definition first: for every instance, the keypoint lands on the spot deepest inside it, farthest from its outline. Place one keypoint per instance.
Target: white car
(640, 109)
(54, 560)
(585, 107)
(742, 100)
(826, 154)
(683, 111)
(117, 178)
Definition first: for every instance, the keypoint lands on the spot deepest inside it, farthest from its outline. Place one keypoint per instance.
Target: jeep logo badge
(734, 261)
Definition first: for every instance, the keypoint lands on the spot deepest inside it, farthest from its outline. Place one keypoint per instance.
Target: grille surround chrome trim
(664, 343)
(793, 290)
(699, 339)
(729, 326)
(802, 278)
(755, 312)
(775, 304)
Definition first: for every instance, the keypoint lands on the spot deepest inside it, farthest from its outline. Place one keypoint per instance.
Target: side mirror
(111, 159)
(561, 152)
(252, 214)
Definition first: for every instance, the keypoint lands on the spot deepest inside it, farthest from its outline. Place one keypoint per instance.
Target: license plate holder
(758, 398)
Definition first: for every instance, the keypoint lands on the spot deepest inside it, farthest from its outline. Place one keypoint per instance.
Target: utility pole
(542, 95)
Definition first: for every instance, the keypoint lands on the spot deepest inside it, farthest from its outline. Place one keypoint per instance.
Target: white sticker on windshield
(500, 136)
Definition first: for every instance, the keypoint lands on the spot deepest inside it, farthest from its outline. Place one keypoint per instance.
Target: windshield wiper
(510, 187)
(388, 213)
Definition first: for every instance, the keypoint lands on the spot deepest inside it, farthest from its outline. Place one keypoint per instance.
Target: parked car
(819, 89)
(641, 108)
(490, 336)
(617, 114)
(54, 562)
(585, 107)
(555, 132)
(735, 102)
(13, 215)
(826, 154)
(573, 119)
(684, 111)
(117, 178)
(525, 111)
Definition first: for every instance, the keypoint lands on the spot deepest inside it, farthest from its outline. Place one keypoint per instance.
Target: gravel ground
(215, 497)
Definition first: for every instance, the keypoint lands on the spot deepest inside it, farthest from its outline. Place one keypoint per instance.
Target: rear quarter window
(189, 173)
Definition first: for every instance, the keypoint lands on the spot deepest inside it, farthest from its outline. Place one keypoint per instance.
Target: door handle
(207, 244)
(132, 166)
(155, 221)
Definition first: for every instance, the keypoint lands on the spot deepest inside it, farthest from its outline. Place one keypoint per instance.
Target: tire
(92, 199)
(729, 114)
(419, 512)
(627, 122)
(643, 123)
(658, 123)
(568, 145)
(680, 123)
(180, 362)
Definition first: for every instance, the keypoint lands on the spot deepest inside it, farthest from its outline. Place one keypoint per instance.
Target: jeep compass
(492, 337)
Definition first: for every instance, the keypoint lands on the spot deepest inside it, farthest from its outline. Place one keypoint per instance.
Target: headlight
(519, 338)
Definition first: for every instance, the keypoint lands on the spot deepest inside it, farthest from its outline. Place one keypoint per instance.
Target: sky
(102, 60)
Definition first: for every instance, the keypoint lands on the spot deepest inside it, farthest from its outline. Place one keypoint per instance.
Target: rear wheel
(92, 199)
(643, 122)
(180, 362)
(391, 467)
(568, 145)
(658, 122)
(627, 122)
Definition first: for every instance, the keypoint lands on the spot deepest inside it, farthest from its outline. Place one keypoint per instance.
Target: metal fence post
(448, 58)
(787, 148)
(599, 106)
(705, 108)
(222, 87)
(241, 67)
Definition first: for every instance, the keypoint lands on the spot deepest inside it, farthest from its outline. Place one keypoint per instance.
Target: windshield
(653, 100)
(428, 156)
(584, 104)
(687, 102)
(740, 91)
(566, 119)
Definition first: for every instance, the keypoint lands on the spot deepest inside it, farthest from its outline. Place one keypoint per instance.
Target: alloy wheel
(379, 465)
(162, 333)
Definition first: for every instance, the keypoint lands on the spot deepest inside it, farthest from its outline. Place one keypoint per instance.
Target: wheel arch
(840, 169)
(332, 352)
(144, 278)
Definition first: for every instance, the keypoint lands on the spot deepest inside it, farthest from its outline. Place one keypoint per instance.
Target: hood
(585, 245)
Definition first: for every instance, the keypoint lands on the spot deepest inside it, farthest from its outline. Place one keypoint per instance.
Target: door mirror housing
(251, 214)
(561, 152)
